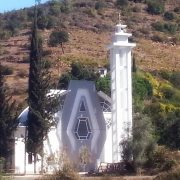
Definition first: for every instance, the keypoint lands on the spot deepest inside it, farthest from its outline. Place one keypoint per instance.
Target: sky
(8, 5)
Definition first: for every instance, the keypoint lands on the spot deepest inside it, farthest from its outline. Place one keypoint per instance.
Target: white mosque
(86, 118)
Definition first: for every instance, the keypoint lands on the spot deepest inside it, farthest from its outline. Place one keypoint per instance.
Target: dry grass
(90, 46)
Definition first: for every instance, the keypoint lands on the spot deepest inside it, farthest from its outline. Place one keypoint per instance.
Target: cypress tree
(8, 122)
(39, 116)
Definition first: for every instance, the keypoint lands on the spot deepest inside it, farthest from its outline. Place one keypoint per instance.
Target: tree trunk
(62, 48)
(42, 162)
(35, 160)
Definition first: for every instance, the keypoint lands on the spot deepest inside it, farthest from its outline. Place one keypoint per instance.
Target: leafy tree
(66, 6)
(104, 84)
(78, 72)
(8, 122)
(55, 8)
(142, 90)
(42, 22)
(40, 107)
(171, 134)
(58, 37)
(139, 147)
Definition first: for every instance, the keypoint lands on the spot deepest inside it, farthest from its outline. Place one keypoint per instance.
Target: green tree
(8, 122)
(40, 107)
(139, 147)
(78, 72)
(104, 84)
(58, 37)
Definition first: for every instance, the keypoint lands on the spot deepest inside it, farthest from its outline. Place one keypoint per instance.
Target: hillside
(90, 26)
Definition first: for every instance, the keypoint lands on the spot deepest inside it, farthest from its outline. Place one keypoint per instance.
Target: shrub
(176, 39)
(4, 35)
(167, 91)
(177, 10)
(171, 28)
(51, 22)
(175, 79)
(142, 88)
(47, 64)
(7, 70)
(99, 5)
(169, 15)
(165, 27)
(158, 26)
(120, 3)
(136, 9)
(170, 175)
(55, 8)
(66, 6)
(155, 7)
(90, 12)
(165, 74)
(159, 38)
(162, 159)
(42, 22)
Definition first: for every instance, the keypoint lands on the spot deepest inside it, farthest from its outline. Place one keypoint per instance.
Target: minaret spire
(121, 87)
(119, 16)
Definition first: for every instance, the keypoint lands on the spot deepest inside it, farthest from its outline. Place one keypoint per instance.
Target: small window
(82, 107)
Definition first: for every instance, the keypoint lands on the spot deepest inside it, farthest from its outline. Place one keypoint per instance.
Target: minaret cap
(121, 28)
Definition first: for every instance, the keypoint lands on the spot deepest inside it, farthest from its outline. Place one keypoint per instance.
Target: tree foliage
(8, 122)
(139, 147)
(78, 72)
(40, 108)
(58, 37)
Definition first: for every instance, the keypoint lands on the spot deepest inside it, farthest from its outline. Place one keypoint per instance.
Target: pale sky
(8, 5)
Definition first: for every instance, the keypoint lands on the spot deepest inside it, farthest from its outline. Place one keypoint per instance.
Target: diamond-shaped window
(82, 129)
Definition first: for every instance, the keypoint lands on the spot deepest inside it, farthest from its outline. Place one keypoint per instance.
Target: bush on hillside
(159, 38)
(7, 70)
(137, 1)
(169, 15)
(175, 79)
(99, 5)
(162, 159)
(42, 22)
(121, 3)
(155, 7)
(167, 91)
(141, 87)
(55, 8)
(165, 27)
(170, 175)
(177, 10)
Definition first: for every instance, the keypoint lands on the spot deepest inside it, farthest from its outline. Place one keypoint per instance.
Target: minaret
(121, 88)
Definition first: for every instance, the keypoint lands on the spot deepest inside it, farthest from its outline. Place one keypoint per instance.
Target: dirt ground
(34, 177)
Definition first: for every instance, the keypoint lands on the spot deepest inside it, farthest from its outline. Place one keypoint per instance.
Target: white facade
(53, 145)
(107, 118)
(121, 88)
